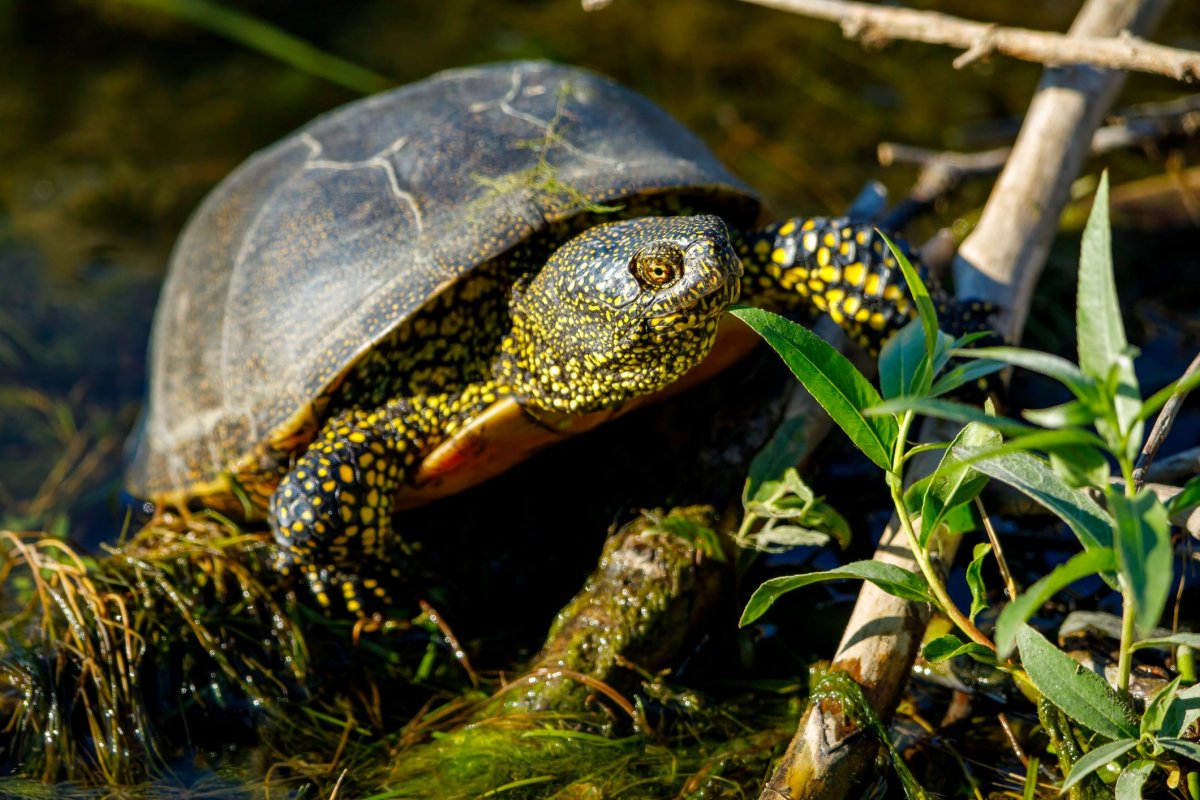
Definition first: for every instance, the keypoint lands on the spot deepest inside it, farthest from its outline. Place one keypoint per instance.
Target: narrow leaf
(1183, 747)
(1160, 398)
(948, 409)
(1098, 327)
(831, 379)
(964, 373)
(1191, 640)
(916, 287)
(953, 482)
(1025, 605)
(1156, 707)
(1096, 759)
(946, 647)
(888, 577)
(904, 364)
(1143, 553)
(1033, 478)
(1080, 466)
(784, 449)
(1187, 499)
(1182, 713)
(1068, 414)
(1132, 779)
(1052, 366)
(975, 578)
(1082, 694)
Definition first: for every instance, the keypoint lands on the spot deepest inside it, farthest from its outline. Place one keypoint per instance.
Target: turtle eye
(658, 265)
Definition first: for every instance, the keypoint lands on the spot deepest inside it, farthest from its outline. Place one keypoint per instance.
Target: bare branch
(877, 25)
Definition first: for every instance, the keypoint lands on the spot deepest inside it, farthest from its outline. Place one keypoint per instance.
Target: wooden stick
(825, 758)
(878, 25)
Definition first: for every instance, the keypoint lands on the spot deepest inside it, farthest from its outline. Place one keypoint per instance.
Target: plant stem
(1128, 601)
(932, 576)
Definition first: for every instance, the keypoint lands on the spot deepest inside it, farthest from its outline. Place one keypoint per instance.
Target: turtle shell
(320, 245)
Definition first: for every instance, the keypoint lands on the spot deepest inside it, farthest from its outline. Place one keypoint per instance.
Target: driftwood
(1001, 261)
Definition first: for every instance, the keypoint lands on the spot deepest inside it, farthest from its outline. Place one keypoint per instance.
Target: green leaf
(1081, 694)
(975, 578)
(1191, 640)
(1187, 499)
(778, 538)
(947, 409)
(1052, 366)
(1033, 478)
(1182, 713)
(962, 374)
(946, 647)
(916, 287)
(888, 577)
(1160, 398)
(899, 360)
(1025, 605)
(831, 379)
(1096, 759)
(1048, 441)
(1080, 466)
(953, 482)
(1132, 779)
(785, 448)
(1143, 553)
(1156, 708)
(1183, 747)
(1073, 413)
(1099, 331)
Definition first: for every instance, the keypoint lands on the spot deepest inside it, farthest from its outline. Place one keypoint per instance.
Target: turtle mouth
(698, 314)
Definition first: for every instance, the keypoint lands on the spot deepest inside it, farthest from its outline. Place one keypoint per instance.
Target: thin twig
(876, 25)
(943, 171)
(1162, 427)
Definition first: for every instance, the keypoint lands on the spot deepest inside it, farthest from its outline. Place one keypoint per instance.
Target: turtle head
(621, 310)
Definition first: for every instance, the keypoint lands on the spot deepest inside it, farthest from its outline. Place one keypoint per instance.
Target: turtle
(419, 289)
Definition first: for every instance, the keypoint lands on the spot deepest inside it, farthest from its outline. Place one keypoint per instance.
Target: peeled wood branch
(878, 25)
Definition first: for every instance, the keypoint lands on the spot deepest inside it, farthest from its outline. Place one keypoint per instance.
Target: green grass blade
(831, 379)
(269, 40)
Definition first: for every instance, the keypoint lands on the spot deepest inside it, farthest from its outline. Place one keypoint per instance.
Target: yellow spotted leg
(332, 512)
(842, 268)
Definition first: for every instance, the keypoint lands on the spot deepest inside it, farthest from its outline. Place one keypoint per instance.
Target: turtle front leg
(843, 268)
(331, 514)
